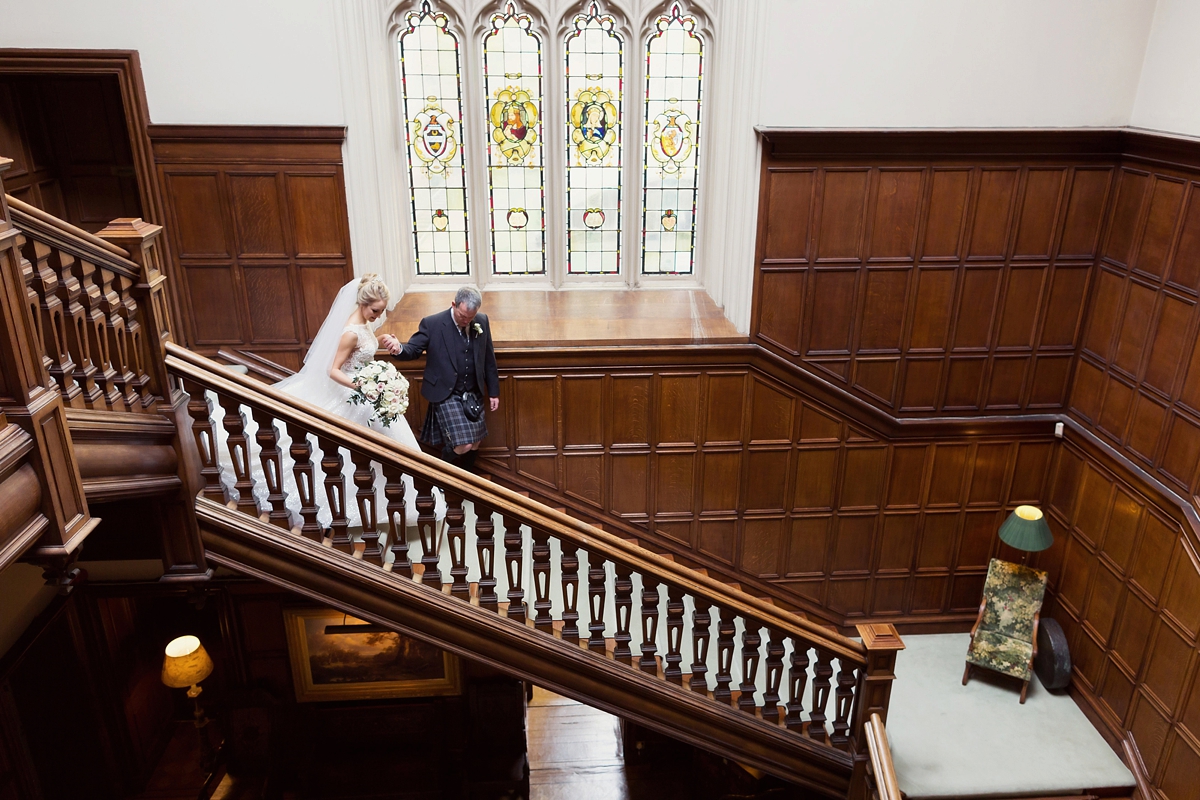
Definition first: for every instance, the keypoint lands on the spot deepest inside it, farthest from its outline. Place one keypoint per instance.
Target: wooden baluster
(648, 663)
(485, 545)
(41, 347)
(306, 482)
(770, 707)
(797, 681)
(513, 562)
(139, 387)
(92, 286)
(623, 603)
(394, 490)
(701, 620)
(76, 328)
(332, 464)
(822, 672)
(456, 537)
(750, 657)
(671, 661)
(367, 547)
(200, 410)
(56, 355)
(542, 619)
(725, 631)
(431, 575)
(118, 343)
(272, 463)
(238, 445)
(843, 701)
(570, 590)
(596, 599)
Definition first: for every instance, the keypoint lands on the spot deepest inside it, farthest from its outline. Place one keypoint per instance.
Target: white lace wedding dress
(313, 385)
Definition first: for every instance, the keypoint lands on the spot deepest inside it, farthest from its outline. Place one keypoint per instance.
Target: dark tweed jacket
(438, 335)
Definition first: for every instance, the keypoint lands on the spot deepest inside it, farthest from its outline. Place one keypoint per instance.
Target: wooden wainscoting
(938, 273)
(257, 218)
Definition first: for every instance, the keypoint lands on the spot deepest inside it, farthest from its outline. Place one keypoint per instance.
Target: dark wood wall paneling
(70, 147)
(257, 217)
(924, 282)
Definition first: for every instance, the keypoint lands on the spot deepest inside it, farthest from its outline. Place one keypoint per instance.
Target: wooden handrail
(1133, 760)
(187, 364)
(67, 236)
(887, 786)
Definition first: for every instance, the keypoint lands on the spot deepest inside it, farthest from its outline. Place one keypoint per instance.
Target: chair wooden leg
(1024, 691)
(966, 674)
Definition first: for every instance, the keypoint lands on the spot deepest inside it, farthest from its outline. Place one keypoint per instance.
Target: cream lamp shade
(1026, 529)
(186, 664)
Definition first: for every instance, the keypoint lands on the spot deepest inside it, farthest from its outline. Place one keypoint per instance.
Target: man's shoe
(467, 460)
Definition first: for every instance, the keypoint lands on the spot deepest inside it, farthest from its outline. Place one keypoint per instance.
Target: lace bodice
(364, 351)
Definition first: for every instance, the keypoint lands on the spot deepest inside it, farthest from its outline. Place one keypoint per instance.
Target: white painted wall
(1168, 97)
(232, 62)
(954, 63)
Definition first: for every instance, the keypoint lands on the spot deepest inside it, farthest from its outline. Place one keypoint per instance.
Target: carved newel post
(183, 553)
(33, 425)
(874, 694)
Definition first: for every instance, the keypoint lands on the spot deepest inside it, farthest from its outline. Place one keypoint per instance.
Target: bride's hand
(390, 343)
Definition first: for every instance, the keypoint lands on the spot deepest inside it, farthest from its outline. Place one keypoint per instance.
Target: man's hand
(391, 343)
(493, 403)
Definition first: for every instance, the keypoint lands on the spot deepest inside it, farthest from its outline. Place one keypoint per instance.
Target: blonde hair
(372, 288)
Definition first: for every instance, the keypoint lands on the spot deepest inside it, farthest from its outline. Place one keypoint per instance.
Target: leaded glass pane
(670, 164)
(432, 95)
(594, 95)
(512, 77)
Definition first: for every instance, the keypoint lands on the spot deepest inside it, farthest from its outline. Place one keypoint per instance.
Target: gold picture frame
(347, 665)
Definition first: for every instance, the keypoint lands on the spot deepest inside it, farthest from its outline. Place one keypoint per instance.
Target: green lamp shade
(1026, 529)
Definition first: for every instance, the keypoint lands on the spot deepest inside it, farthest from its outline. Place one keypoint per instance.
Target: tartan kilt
(446, 422)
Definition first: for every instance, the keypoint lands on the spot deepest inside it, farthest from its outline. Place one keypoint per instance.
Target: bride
(345, 342)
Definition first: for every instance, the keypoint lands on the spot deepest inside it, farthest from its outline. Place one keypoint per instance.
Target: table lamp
(1026, 529)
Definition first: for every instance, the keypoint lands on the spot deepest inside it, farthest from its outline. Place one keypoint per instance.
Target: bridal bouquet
(377, 384)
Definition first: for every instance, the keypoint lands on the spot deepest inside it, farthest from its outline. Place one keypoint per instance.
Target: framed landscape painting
(332, 660)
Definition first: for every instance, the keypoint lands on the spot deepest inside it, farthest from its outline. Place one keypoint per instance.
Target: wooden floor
(584, 317)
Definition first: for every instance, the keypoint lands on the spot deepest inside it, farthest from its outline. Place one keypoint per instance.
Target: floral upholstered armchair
(1004, 638)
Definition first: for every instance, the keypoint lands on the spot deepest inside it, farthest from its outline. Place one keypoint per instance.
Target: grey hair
(468, 296)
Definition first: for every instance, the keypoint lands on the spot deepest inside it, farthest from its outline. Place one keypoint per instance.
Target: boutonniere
(478, 329)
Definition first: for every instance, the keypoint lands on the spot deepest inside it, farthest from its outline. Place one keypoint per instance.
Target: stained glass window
(594, 96)
(432, 95)
(670, 164)
(512, 77)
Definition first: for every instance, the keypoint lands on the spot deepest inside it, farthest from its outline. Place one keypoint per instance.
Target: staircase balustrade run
(549, 562)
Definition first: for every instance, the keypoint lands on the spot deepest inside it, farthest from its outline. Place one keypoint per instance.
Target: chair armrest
(1037, 618)
(979, 619)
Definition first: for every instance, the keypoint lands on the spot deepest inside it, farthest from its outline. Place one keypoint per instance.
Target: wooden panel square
(897, 541)
(535, 411)
(679, 531)
(1088, 392)
(269, 295)
(932, 308)
(1102, 317)
(1095, 497)
(848, 597)
(978, 534)
(1135, 325)
(584, 477)
(921, 383)
(1065, 306)
(966, 593)
(928, 594)
(1102, 605)
(722, 480)
(1114, 414)
(906, 476)
(1131, 189)
(258, 214)
(937, 540)
(678, 409)
(883, 310)
(888, 595)
(897, 200)
(1081, 230)
(1039, 212)
(1116, 691)
(631, 409)
(1179, 775)
(675, 483)
(947, 210)
(949, 470)
(853, 544)
(198, 215)
(1049, 389)
(976, 308)
(1007, 382)
(1183, 598)
(789, 200)
(724, 408)
(963, 382)
(1185, 265)
(862, 480)
(817, 426)
(1146, 429)
(215, 305)
(1123, 523)
(582, 410)
(315, 201)
(1022, 302)
(1169, 661)
(877, 377)
(1029, 474)
(717, 538)
(1170, 343)
(771, 415)
(1159, 230)
(760, 546)
(1189, 394)
(1077, 574)
(1190, 718)
(779, 316)
(1087, 659)
(810, 539)
(1150, 732)
(987, 478)
(542, 468)
(843, 206)
(1183, 450)
(993, 210)
(832, 311)
(816, 473)
(1066, 483)
(1154, 556)
(766, 480)
(630, 483)
(319, 285)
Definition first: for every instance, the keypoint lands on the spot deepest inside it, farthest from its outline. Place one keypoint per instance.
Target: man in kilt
(460, 372)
